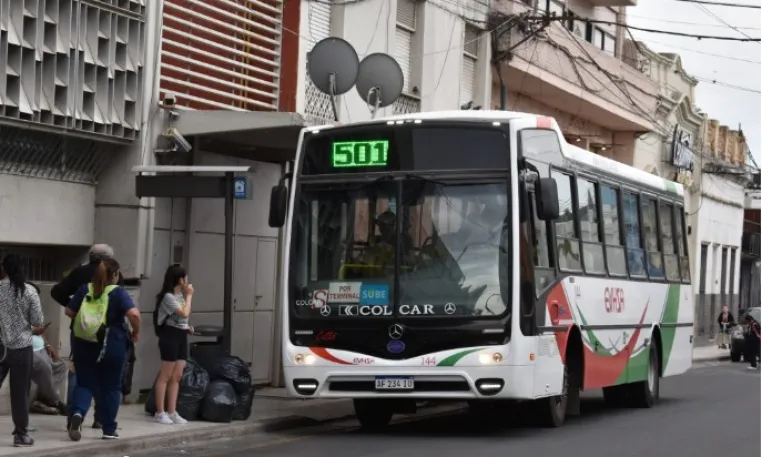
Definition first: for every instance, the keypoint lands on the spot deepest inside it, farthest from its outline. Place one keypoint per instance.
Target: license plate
(395, 383)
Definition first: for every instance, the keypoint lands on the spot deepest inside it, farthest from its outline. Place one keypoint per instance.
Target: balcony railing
(750, 243)
(406, 104)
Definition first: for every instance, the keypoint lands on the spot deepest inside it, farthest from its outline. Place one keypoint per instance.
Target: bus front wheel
(373, 414)
(645, 394)
(551, 411)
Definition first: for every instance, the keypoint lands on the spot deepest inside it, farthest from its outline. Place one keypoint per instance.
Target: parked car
(738, 334)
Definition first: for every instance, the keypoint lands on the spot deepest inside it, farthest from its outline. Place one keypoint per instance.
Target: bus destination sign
(348, 154)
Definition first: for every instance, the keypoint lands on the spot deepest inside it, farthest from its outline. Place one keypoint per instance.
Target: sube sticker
(374, 295)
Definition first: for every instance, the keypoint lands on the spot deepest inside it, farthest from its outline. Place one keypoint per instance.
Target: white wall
(437, 51)
(42, 211)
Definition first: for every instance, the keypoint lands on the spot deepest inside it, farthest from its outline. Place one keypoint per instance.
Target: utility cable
(697, 24)
(644, 29)
(709, 13)
(729, 5)
(719, 56)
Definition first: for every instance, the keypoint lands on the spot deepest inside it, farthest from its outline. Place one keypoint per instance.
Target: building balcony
(406, 104)
(562, 69)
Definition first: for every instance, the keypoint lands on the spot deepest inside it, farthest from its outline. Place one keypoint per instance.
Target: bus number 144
(613, 299)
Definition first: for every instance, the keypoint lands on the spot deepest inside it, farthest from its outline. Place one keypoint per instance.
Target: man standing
(78, 277)
(726, 322)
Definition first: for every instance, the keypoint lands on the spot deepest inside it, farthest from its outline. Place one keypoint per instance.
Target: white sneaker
(177, 419)
(163, 418)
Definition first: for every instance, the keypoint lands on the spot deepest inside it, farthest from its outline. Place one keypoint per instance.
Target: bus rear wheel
(644, 394)
(373, 414)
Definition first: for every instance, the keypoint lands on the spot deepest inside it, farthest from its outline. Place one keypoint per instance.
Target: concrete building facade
(575, 72)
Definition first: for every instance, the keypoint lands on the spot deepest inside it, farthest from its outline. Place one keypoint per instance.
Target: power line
(720, 56)
(644, 29)
(709, 13)
(730, 5)
(727, 85)
(698, 24)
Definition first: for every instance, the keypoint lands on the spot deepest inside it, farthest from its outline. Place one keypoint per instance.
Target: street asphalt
(714, 410)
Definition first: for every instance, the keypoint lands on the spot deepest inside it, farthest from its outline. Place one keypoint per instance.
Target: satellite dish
(380, 80)
(333, 66)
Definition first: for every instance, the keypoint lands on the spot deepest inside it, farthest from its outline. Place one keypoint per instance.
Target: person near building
(752, 344)
(70, 284)
(171, 318)
(20, 311)
(726, 322)
(99, 311)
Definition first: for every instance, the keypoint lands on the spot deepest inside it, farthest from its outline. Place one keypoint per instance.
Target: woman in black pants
(20, 311)
(173, 308)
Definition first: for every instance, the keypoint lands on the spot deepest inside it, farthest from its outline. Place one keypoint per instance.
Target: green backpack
(91, 317)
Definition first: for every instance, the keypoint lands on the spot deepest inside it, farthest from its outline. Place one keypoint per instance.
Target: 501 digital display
(347, 154)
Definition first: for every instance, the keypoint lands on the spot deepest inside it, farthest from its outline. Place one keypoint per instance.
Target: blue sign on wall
(239, 185)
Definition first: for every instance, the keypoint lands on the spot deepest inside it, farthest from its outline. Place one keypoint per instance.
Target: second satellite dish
(380, 80)
(333, 56)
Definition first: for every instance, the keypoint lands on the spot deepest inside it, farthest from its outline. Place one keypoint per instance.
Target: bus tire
(645, 394)
(373, 414)
(550, 412)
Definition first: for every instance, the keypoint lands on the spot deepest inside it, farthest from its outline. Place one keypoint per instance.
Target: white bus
(476, 255)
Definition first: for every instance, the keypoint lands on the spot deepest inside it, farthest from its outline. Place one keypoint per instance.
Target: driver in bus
(380, 253)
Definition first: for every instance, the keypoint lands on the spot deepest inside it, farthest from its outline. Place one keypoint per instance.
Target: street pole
(227, 281)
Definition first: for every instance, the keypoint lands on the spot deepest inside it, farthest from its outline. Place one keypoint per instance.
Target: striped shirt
(18, 314)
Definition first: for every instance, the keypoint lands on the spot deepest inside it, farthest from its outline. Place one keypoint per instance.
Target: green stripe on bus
(455, 358)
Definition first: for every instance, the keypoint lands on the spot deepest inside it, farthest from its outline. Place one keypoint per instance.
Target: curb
(125, 446)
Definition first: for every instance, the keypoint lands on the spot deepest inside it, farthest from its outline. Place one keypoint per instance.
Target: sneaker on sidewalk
(110, 436)
(163, 418)
(22, 440)
(177, 419)
(75, 427)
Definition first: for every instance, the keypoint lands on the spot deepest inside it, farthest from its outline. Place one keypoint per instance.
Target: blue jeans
(100, 380)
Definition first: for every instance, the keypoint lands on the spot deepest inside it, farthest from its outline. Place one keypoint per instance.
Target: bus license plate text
(397, 383)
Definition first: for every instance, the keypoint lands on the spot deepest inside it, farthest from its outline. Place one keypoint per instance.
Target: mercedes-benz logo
(325, 310)
(450, 308)
(396, 331)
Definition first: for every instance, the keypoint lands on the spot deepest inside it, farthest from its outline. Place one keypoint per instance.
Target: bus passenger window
(682, 251)
(671, 265)
(614, 249)
(567, 239)
(587, 210)
(635, 256)
(651, 233)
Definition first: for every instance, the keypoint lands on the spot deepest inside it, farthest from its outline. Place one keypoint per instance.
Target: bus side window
(567, 238)
(636, 263)
(615, 257)
(669, 247)
(682, 250)
(651, 238)
(544, 271)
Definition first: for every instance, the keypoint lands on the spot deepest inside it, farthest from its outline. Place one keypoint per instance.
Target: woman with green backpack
(99, 344)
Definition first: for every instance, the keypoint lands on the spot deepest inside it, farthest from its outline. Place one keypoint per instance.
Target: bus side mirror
(547, 199)
(278, 205)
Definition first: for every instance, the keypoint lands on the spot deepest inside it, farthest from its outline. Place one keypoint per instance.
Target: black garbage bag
(244, 401)
(193, 387)
(219, 402)
(233, 370)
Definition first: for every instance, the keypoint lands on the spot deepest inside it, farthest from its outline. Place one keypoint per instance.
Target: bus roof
(571, 152)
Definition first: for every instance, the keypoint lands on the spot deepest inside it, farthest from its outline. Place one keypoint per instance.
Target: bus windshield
(452, 243)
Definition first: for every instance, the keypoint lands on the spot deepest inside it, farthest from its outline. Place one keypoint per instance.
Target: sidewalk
(272, 411)
(708, 353)
(139, 432)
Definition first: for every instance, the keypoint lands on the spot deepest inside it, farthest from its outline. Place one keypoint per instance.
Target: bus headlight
(487, 359)
(301, 359)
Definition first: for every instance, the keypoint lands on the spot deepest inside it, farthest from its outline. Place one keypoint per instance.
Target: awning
(255, 135)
